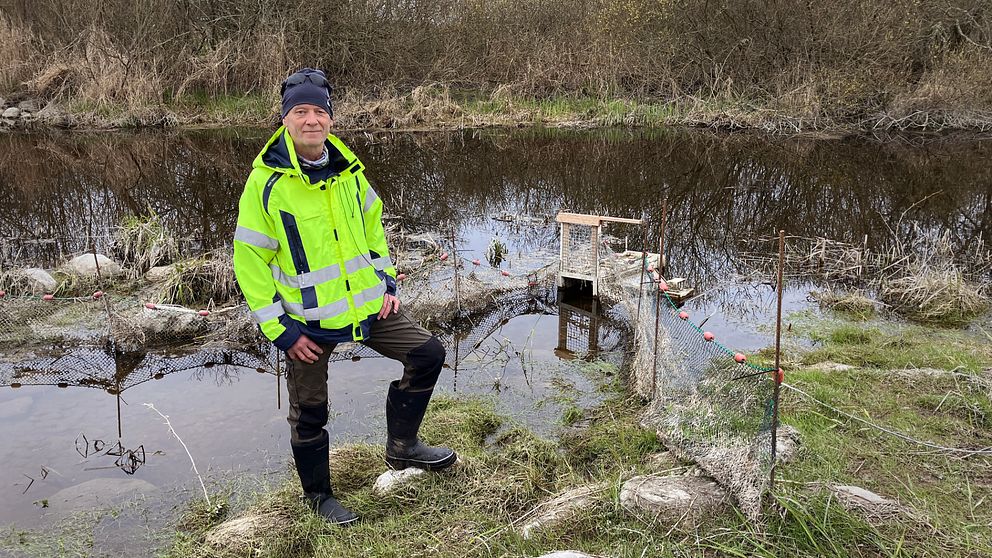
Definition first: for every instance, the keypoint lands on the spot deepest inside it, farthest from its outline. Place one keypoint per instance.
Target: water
(62, 193)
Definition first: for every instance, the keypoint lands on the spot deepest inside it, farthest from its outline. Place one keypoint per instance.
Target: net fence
(709, 404)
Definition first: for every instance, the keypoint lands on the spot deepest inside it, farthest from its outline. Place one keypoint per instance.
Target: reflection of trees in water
(721, 190)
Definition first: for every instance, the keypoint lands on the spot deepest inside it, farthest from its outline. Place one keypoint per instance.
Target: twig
(174, 433)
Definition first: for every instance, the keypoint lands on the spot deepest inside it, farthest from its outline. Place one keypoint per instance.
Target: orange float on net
(204, 313)
(684, 315)
(150, 305)
(48, 297)
(663, 287)
(97, 294)
(475, 262)
(444, 256)
(505, 273)
(651, 268)
(739, 357)
(779, 376)
(3, 294)
(707, 335)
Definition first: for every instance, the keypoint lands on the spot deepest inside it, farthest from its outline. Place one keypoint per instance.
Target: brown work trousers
(397, 337)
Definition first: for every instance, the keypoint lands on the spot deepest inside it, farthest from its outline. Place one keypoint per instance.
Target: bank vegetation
(777, 65)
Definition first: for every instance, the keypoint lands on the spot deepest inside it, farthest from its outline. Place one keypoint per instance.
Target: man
(310, 256)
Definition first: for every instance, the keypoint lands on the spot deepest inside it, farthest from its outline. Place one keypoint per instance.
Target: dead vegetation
(142, 242)
(204, 280)
(876, 65)
(922, 276)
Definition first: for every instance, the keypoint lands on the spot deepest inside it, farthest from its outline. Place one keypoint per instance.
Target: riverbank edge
(438, 108)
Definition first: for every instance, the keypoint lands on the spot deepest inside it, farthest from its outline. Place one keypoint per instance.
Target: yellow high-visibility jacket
(310, 252)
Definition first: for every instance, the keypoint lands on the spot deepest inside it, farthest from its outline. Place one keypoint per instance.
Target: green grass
(886, 345)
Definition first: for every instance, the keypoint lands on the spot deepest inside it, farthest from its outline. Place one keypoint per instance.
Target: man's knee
(426, 361)
(310, 424)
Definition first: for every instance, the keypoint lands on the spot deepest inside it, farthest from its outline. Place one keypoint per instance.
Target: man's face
(308, 125)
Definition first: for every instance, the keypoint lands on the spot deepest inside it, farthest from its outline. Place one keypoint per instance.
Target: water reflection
(63, 192)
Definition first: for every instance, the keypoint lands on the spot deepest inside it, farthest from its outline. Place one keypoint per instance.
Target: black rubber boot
(404, 413)
(313, 466)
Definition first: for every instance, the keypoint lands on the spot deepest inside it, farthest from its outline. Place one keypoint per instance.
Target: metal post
(644, 263)
(661, 243)
(778, 355)
(278, 381)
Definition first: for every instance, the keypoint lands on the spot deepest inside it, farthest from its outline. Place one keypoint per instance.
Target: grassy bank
(478, 509)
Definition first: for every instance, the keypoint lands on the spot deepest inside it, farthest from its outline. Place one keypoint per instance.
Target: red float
(3, 294)
(204, 313)
(150, 305)
(97, 294)
(401, 277)
(739, 357)
(444, 256)
(684, 315)
(48, 297)
(475, 262)
(663, 287)
(505, 273)
(708, 336)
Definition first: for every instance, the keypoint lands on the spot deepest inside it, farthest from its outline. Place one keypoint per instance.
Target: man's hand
(389, 304)
(304, 349)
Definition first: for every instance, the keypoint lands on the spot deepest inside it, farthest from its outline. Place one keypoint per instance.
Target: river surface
(62, 193)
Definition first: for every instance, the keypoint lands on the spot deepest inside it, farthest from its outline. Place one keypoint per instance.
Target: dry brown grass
(931, 295)
(891, 65)
(203, 280)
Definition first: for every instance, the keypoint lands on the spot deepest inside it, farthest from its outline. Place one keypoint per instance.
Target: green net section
(709, 404)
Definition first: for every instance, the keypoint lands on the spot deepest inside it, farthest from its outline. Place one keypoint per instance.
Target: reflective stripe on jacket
(311, 253)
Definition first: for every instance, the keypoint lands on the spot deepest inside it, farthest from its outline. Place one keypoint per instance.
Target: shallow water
(62, 193)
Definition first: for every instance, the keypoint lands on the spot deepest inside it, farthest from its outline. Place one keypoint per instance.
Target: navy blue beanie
(306, 86)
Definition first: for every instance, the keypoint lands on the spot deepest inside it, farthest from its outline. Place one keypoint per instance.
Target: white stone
(674, 501)
(11, 113)
(29, 105)
(393, 480)
(560, 509)
(159, 274)
(40, 280)
(832, 367)
(86, 265)
(242, 532)
(866, 502)
(788, 442)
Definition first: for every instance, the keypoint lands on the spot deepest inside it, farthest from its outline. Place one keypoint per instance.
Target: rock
(164, 324)
(674, 501)
(247, 531)
(39, 280)
(392, 480)
(788, 442)
(29, 105)
(866, 502)
(11, 113)
(159, 274)
(566, 554)
(85, 265)
(97, 494)
(562, 508)
(831, 367)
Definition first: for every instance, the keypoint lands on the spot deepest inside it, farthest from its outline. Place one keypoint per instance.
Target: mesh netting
(707, 405)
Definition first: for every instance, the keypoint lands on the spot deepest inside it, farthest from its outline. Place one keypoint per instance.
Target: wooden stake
(778, 355)
(644, 263)
(661, 243)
